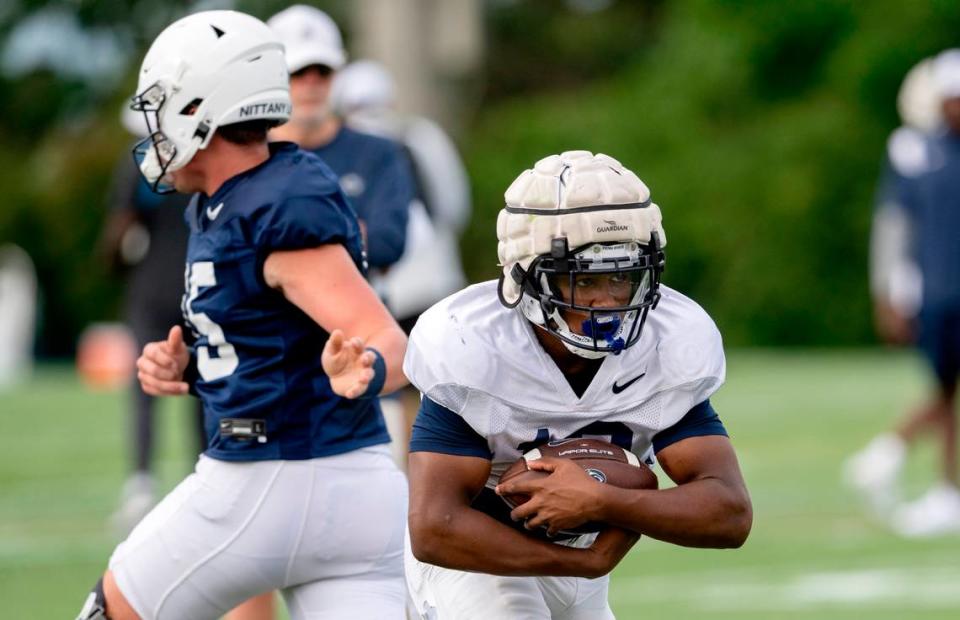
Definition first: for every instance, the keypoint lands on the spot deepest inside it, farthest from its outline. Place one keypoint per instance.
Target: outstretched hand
(348, 364)
(160, 367)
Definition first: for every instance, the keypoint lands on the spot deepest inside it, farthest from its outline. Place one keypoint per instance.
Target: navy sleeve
(386, 208)
(301, 222)
(895, 188)
(437, 429)
(887, 187)
(700, 421)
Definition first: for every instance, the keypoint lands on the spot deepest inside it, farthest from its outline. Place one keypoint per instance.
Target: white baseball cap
(946, 73)
(310, 37)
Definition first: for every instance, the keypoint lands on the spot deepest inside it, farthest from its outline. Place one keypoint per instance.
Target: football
(604, 462)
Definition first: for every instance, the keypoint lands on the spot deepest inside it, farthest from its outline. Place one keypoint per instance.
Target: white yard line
(753, 590)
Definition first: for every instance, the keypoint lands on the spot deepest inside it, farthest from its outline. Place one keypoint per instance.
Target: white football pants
(327, 532)
(445, 594)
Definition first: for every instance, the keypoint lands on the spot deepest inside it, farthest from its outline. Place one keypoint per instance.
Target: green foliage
(59, 206)
(760, 128)
(536, 46)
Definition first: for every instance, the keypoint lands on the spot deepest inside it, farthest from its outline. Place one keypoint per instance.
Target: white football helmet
(946, 73)
(918, 101)
(202, 72)
(580, 234)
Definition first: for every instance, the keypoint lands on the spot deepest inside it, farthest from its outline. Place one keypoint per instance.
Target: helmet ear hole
(203, 130)
(191, 108)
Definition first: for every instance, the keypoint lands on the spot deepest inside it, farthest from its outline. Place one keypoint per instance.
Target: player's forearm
(613, 543)
(467, 539)
(702, 513)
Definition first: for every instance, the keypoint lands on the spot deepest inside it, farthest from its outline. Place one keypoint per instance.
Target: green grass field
(793, 417)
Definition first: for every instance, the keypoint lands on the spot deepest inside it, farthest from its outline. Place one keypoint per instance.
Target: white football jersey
(482, 361)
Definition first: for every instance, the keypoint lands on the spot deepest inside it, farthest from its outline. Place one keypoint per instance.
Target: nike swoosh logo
(619, 388)
(213, 213)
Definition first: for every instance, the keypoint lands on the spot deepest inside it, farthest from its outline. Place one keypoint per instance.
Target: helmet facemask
(155, 153)
(595, 299)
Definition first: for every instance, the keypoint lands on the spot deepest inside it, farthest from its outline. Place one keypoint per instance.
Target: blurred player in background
(145, 239)
(18, 311)
(563, 346)
(364, 94)
(915, 280)
(296, 489)
(373, 172)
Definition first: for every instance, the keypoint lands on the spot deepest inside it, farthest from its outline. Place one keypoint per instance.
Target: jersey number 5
(201, 275)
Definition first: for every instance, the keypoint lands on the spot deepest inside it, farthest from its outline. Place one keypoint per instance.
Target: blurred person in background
(374, 173)
(145, 239)
(296, 489)
(364, 95)
(915, 280)
(18, 314)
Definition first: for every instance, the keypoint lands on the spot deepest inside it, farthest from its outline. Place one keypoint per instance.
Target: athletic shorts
(446, 594)
(939, 340)
(327, 532)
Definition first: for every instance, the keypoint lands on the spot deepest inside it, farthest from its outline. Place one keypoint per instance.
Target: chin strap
(500, 282)
(581, 352)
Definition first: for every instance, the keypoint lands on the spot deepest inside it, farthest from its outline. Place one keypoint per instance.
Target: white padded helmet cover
(558, 198)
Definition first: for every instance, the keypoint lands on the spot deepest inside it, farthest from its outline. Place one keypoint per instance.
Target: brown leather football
(604, 462)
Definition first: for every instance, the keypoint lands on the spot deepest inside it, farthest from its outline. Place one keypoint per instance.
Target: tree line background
(759, 127)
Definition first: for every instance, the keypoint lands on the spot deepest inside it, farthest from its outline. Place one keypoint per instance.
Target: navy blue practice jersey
(927, 186)
(264, 392)
(375, 174)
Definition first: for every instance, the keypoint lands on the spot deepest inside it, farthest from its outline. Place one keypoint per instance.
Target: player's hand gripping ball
(603, 461)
